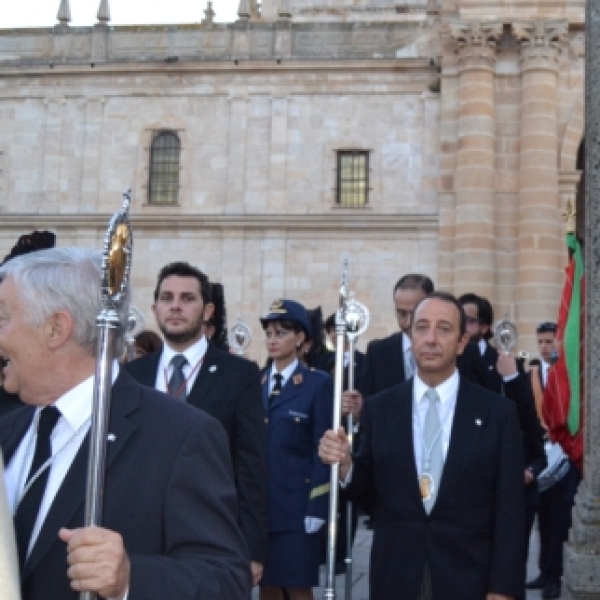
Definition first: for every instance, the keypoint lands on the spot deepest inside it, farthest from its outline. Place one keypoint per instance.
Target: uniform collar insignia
(297, 379)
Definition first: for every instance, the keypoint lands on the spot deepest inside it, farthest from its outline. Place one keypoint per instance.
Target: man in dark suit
(441, 464)
(169, 525)
(225, 386)
(506, 378)
(390, 361)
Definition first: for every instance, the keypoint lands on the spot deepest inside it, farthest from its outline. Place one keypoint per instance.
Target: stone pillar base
(582, 552)
(582, 574)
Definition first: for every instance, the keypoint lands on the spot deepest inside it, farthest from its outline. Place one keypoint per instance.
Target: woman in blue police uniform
(299, 409)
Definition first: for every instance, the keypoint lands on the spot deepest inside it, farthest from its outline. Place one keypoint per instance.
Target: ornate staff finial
(569, 216)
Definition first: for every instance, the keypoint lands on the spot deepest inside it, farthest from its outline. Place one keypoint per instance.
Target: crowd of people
(217, 472)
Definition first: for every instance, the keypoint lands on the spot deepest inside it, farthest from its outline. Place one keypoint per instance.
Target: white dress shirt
(285, 374)
(409, 361)
(195, 356)
(545, 367)
(67, 436)
(447, 392)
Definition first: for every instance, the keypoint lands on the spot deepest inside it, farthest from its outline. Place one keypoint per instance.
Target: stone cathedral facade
(438, 136)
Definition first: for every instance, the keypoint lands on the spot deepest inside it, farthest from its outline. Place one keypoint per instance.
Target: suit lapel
(264, 382)
(396, 362)
(12, 437)
(146, 369)
(402, 432)
(71, 494)
(468, 423)
(209, 373)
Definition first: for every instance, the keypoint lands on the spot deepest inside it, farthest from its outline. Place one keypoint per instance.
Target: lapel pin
(478, 422)
(297, 379)
(212, 368)
(111, 437)
(264, 379)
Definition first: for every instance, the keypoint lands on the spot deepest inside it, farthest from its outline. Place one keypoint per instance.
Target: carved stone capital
(542, 43)
(476, 42)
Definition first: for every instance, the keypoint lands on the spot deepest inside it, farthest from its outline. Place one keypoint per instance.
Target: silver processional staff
(116, 268)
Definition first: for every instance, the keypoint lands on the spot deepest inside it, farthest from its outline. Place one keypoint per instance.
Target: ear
(464, 340)
(59, 329)
(209, 309)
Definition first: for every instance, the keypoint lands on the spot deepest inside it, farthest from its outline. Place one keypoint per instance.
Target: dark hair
(415, 281)
(450, 299)
(287, 325)
(184, 269)
(546, 327)
(535, 362)
(486, 312)
(330, 322)
(37, 240)
(148, 341)
(219, 317)
(318, 355)
(471, 298)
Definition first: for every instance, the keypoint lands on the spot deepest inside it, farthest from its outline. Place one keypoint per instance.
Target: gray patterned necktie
(432, 459)
(178, 382)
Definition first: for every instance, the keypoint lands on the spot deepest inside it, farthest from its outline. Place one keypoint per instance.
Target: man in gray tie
(440, 465)
(194, 370)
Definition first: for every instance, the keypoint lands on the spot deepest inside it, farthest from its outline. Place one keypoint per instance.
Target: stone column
(540, 253)
(582, 552)
(474, 180)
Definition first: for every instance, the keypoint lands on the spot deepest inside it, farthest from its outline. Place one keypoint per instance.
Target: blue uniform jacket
(295, 422)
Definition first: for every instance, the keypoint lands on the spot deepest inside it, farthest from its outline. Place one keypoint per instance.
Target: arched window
(164, 168)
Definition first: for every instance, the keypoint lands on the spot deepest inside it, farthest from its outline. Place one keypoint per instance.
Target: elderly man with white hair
(169, 524)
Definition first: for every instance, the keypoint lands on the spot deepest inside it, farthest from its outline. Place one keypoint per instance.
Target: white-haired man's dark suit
(169, 493)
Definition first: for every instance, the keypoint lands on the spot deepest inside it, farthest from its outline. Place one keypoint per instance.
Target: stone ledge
(334, 222)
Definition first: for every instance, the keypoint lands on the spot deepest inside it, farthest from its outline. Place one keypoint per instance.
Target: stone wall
(472, 113)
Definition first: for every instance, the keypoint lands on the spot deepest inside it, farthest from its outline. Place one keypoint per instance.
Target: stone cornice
(244, 39)
(542, 42)
(216, 67)
(476, 42)
(340, 220)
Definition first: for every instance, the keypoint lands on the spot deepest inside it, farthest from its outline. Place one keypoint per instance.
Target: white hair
(60, 279)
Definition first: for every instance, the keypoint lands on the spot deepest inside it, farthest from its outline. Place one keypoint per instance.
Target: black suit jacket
(519, 391)
(169, 492)
(228, 388)
(384, 365)
(8, 402)
(473, 539)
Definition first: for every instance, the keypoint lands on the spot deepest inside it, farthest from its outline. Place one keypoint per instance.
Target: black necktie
(178, 383)
(28, 509)
(278, 377)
